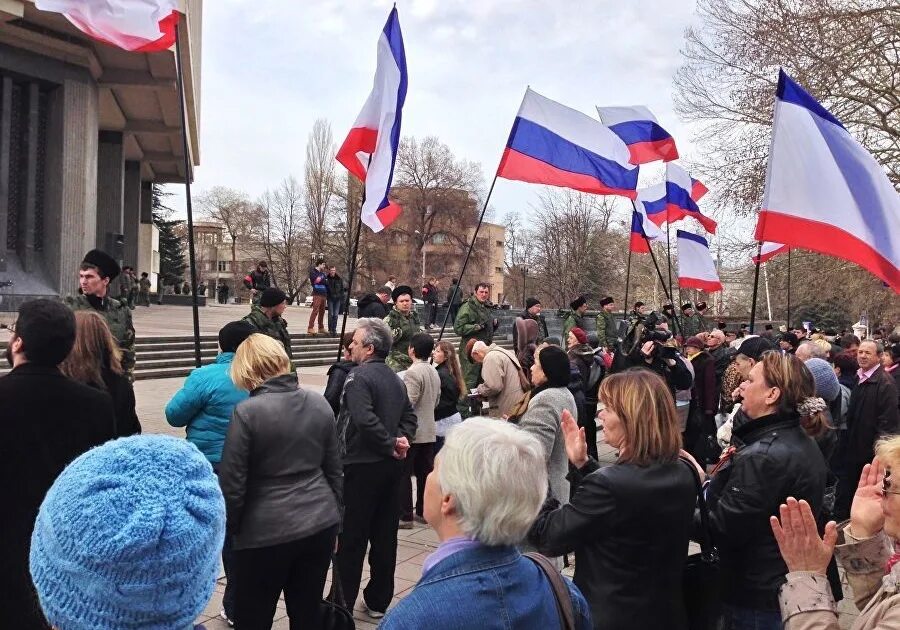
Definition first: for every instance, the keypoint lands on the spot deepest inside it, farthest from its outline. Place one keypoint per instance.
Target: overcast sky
(272, 67)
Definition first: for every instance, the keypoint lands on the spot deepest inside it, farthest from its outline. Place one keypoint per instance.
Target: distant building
(85, 129)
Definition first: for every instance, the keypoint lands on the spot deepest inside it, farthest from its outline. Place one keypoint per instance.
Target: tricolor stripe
(133, 25)
(825, 192)
(370, 149)
(558, 146)
(638, 128)
(769, 251)
(696, 268)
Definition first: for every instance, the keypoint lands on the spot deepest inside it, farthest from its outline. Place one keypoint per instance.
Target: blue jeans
(734, 618)
(334, 309)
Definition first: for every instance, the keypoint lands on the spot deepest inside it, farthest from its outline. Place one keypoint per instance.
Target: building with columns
(85, 130)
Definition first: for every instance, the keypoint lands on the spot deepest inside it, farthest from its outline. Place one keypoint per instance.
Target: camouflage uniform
(607, 329)
(571, 320)
(126, 289)
(274, 328)
(690, 326)
(144, 292)
(118, 318)
(473, 321)
(403, 327)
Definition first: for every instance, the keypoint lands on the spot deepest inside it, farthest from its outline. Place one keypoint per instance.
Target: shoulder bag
(560, 590)
(333, 613)
(701, 584)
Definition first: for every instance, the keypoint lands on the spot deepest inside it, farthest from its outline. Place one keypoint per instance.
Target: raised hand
(866, 517)
(798, 538)
(576, 444)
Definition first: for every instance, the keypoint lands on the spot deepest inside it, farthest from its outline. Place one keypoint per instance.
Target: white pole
(768, 296)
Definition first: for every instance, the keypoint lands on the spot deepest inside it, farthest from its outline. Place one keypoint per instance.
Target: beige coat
(807, 603)
(501, 387)
(423, 386)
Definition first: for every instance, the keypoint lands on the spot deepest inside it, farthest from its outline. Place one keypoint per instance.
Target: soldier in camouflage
(265, 318)
(689, 322)
(474, 321)
(97, 270)
(705, 324)
(607, 327)
(574, 318)
(404, 322)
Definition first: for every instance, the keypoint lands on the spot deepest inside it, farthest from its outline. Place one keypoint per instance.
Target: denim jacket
(493, 587)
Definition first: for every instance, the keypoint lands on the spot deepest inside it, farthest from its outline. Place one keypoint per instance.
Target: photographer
(652, 353)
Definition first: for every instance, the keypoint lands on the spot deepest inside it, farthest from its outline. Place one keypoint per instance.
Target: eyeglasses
(886, 484)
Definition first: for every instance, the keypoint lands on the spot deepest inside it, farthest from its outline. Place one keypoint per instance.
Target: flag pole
(662, 280)
(789, 292)
(188, 174)
(755, 287)
(627, 281)
(669, 256)
(462, 271)
(353, 260)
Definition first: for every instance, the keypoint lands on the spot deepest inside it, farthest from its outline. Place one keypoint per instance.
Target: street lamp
(524, 286)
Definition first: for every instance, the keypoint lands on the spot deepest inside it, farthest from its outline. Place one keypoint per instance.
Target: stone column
(110, 189)
(132, 211)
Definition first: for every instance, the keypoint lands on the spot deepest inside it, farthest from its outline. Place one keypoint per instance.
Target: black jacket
(337, 375)
(629, 527)
(281, 472)
(872, 414)
(430, 294)
(258, 280)
(121, 391)
(370, 305)
(375, 411)
(446, 406)
(677, 376)
(775, 459)
(48, 420)
(335, 286)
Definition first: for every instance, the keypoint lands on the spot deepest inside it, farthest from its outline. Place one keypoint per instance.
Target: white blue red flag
(642, 231)
(825, 192)
(696, 268)
(769, 250)
(556, 145)
(370, 149)
(135, 25)
(638, 128)
(675, 199)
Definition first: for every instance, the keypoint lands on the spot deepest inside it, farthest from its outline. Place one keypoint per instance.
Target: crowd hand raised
(576, 443)
(647, 349)
(866, 517)
(798, 538)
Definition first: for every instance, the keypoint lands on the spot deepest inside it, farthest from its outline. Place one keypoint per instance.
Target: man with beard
(97, 270)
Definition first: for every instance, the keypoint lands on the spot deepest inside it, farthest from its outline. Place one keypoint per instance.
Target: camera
(650, 332)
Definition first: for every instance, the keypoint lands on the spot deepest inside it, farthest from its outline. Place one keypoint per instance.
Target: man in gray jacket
(375, 426)
(423, 385)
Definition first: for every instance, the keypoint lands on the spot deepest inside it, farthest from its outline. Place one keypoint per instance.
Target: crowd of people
(610, 449)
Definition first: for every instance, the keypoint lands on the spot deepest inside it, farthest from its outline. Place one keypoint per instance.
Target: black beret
(401, 290)
(532, 301)
(686, 306)
(701, 306)
(272, 297)
(638, 305)
(577, 303)
(607, 300)
(754, 347)
(233, 334)
(105, 263)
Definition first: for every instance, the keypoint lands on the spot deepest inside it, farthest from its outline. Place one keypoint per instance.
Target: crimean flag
(769, 250)
(370, 149)
(641, 224)
(696, 268)
(135, 25)
(638, 128)
(559, 146)
(825, 191)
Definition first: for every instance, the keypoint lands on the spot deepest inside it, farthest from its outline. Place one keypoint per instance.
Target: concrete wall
(110, 190)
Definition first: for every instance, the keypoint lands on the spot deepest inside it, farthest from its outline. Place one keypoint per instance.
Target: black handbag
(333, 611)
(701, 583)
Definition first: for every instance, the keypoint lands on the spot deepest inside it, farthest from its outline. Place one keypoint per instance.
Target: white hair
(480, 347)
(815, 350)
(497, 476)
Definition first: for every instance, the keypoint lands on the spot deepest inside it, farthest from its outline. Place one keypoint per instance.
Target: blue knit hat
(129, 536)
(827, 386)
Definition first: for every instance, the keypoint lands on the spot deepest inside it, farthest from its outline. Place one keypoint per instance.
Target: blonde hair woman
(96, 360)
(282, 478)
(629, 524)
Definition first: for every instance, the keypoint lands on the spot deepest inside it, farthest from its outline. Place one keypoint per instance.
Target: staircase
(171, 357)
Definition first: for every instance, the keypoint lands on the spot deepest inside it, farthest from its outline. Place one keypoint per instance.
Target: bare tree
(319, 182)
(232, 209)
(281, 234)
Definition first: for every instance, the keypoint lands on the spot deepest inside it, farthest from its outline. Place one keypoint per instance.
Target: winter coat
(502, 387)
(375, 411)
(629, 527)
(807, 602)
(121, 391)
(403, 327)
(541, 327)
(335, 286)
(275, 328)
(704, 391)
(450, 393)
(474, 321)
(118, 317)
(370, 305)
(281, 471)
(48, 421)
(872, 414)
(337, 375)
(259, 280)
(204, 406)
(458, 298)
(542, 420)
(571, 319)
(430, 293)
(317, 282)
(423, 386)
(607, 330)
(774, 459)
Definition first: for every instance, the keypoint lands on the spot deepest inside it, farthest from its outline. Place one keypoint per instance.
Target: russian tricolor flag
(696, 268)
(556, 145)
(642, 231)
(376, 134)
(675, 199)
(825, 192)
(769, 250)
(638, 128)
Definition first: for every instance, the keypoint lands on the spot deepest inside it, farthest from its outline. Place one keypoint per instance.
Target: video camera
(651, 333)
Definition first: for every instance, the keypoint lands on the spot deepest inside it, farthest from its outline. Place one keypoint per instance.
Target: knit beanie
(272, 297)
(555, 364)
(233, 333)
(129, 536)
(532, 301)
(827, 386)
(580, 335)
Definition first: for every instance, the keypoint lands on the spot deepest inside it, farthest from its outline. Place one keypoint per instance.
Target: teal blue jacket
(204, 406)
